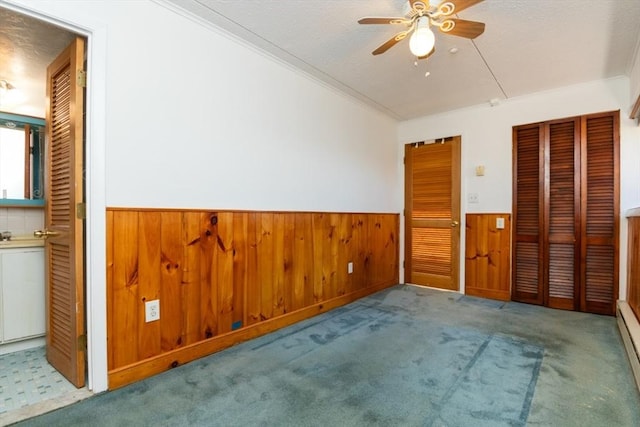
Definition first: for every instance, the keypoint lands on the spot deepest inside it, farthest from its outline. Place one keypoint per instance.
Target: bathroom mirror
(21, 160)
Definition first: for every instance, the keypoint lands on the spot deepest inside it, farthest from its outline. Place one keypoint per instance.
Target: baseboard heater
(630, 331)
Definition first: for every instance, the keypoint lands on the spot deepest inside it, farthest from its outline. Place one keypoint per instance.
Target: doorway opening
(30, 45)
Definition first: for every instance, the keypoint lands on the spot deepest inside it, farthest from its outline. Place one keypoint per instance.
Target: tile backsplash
(21, 221)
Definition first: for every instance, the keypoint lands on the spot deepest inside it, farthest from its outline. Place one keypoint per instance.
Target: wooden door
(528, 229)
(566, 207)
(64, 249)
(432, 213)
(562, 219)
(547, 213)
(600, 183)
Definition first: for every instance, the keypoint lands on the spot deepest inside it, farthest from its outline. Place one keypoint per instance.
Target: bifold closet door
(528, 199)
(562, 214)
(601, 204)
(565, 213)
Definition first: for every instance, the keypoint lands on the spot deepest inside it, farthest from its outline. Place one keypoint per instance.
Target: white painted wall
(197, 119)
(183, 115)
(487, 140)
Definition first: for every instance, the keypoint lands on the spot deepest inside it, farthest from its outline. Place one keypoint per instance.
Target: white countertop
(22, 242)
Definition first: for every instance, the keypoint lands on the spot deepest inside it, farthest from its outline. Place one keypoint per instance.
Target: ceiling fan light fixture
(422, 40)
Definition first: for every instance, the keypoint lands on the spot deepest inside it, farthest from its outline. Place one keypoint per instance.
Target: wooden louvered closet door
(63, 226)
(601, 203)
(565, 237)
(432, 209)
(528, 200)
(562, 214)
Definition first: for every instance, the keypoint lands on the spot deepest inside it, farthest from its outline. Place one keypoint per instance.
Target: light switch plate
(499, 223)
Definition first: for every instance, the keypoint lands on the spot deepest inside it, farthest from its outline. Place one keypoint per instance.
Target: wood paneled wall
(488, 256)
(223, 277)
(633, 261)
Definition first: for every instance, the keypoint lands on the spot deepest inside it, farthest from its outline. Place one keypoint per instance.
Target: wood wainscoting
(488, 256)
(633, 261)
(628, 310)
(223, 277)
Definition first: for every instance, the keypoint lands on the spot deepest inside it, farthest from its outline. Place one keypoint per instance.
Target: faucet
(5, 235)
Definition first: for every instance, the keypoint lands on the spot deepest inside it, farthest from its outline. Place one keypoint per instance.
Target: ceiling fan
(419, 19)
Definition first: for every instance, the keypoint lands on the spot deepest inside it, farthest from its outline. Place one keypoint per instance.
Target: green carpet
(407, 356)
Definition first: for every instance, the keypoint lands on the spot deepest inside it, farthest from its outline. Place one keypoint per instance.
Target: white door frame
(67, 16)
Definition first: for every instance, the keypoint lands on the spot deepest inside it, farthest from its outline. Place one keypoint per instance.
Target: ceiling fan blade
(428, 54)
(390, 43)
(462, 28)
(383, 21)
(458, 6)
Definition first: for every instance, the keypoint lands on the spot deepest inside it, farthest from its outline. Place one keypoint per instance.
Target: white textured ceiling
(27, 46)
(528, 46)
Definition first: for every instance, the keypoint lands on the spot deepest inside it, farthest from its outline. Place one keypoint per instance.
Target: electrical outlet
(499, 223)
(152, 310)
(473, 198)
(350, 268)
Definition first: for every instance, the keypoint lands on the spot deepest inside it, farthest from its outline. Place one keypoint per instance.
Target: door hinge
(81, 78)
(82, 342)
(81, 210)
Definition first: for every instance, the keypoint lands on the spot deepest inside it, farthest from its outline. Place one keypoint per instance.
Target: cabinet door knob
(454, 223)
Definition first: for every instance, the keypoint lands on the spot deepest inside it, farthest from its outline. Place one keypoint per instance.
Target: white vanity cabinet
(22, 293)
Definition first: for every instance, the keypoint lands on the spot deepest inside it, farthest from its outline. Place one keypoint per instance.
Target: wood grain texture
(487, 256)
(191, 283)
(123, 288)
(432, 209)
(149, 273)
(633, 264)
(528, 204)
(600, 205)
(224, 266)
(171, 269)
(64, 187)
(221, 275)
(566, 194)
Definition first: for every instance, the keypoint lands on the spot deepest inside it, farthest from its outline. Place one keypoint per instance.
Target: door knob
(45, 233)
(454, 223)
